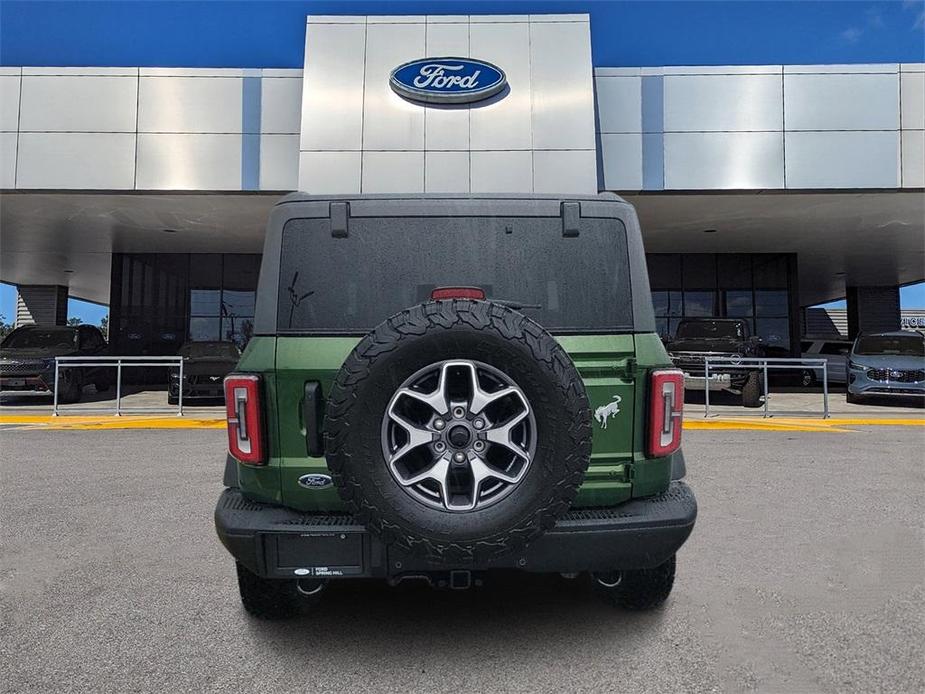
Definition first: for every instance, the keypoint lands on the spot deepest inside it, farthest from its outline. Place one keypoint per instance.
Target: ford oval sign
(447, 80)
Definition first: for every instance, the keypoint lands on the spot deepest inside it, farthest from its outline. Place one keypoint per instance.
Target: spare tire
(458, 431)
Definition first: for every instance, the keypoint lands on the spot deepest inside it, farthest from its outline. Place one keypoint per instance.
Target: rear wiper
(516, 305)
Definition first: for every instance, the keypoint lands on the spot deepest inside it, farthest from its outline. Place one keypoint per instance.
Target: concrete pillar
(872, 310)
(41, 304)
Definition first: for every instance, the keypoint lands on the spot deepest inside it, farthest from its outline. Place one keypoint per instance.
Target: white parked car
(835, 352)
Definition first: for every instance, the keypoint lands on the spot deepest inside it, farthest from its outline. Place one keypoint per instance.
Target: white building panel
(78, 104)
(332, 94)
(563, 86)
(7, 160)
(389, 121)
(565, 171)
(279, 162)
(842, 159)
(447, 127)
(723, 103)
(182, 161)
(913, 166)
(86, 161)
(324, 173)
(190, 105)
(737, 161)
(280, 105)
(841, 101)
(393, 172)
(446, 172)
(619, 104)
(912, 95)
(621, 155)
(503, 122)
(9, 103)
(502, 172)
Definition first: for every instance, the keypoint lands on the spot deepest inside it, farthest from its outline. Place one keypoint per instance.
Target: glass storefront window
(771, 302)
(698, 304)
(738, 303)
(203, 329)
(774, 331)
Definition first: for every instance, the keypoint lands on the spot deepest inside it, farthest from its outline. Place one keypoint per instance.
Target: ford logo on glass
(447, 80)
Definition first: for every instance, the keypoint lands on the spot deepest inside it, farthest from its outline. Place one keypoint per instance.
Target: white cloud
(851, 34)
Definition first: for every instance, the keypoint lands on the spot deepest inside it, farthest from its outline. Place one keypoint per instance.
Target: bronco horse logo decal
(611, 409)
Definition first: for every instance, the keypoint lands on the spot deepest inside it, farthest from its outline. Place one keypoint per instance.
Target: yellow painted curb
(76, 422)
(111, 422)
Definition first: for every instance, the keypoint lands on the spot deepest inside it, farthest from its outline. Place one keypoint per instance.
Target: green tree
(74, 321)
(5, 328)
(104, 327)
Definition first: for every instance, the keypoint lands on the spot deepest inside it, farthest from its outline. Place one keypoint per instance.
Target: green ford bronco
(442, 385)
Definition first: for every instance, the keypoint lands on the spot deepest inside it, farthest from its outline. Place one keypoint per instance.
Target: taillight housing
(244, 412)
(666, 404)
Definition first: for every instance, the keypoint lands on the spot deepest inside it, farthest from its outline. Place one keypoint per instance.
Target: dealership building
(761, 190)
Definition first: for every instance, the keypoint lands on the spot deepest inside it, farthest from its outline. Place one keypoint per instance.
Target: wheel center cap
(459, 437)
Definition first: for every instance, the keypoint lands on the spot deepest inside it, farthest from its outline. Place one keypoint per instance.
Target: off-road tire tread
(265, 598)
(751, 390)
(642, 589)
(478, 315)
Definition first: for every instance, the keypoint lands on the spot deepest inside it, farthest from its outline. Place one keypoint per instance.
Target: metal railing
(765, 363)
(118, 363)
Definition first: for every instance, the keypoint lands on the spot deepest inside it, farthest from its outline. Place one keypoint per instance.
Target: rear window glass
(41, 337)
(350, 285)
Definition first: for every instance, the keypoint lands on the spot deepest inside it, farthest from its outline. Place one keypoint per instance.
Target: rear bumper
(26, 383)
(277, 542)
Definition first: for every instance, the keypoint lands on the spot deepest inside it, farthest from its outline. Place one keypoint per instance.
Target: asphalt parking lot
(806, 572)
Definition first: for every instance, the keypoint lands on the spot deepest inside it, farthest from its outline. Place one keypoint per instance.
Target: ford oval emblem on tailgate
(447, 80)
(315, 481)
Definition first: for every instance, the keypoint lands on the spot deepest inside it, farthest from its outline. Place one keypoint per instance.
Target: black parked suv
(698, 338)
(27, 360)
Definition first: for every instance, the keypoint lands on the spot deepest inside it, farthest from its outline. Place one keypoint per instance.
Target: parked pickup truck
(698, 338)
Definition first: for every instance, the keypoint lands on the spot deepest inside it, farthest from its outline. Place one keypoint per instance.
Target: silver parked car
(887, 364)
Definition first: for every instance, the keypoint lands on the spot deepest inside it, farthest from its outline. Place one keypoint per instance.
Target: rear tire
(639, 589)
(853, 399)
(173, 400)
(273, 599)
(751, 391)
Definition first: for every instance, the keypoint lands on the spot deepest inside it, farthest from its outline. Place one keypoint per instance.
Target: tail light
(458, 293)
(666, 402)
(244, 411)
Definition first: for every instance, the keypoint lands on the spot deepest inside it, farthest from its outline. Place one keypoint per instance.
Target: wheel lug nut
(439, 446)
(459, 457)
(439, 424)
(478, 445)
(478, 423)
(459, 413)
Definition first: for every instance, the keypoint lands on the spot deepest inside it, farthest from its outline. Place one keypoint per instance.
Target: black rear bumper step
(278, 542)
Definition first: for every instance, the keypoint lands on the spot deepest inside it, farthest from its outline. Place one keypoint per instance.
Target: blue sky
(271, 33)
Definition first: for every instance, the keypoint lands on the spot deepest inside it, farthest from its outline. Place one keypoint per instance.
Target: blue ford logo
(315, 481)
(447, 80)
